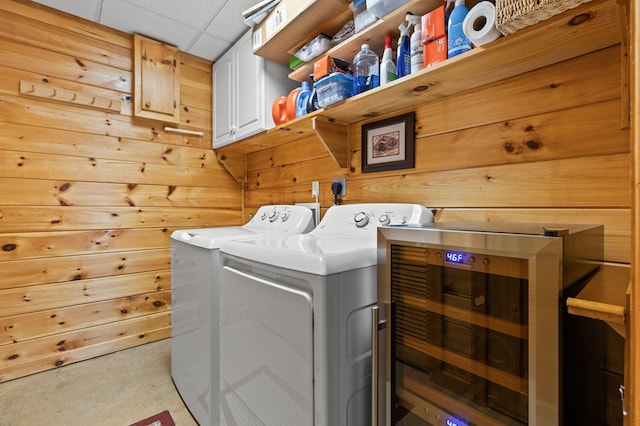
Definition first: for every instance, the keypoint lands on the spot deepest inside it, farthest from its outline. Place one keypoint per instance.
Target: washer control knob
(384, 219)
(273, 216)
(361, 219)
(263, 216)
(284, 216)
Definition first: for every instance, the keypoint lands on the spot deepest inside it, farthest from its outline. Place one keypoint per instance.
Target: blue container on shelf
(333, 88)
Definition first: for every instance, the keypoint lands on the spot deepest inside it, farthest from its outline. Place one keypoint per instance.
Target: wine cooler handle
(375, 316)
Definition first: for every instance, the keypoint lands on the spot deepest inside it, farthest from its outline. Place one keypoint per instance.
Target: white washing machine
(194, 301)
(295, 336)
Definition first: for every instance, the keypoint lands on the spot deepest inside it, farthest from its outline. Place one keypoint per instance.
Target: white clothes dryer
(295, 336)
(194, 301)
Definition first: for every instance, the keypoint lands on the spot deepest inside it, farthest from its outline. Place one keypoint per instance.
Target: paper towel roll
(480, 24)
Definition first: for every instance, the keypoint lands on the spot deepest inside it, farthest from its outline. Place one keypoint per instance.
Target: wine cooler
(467, 328)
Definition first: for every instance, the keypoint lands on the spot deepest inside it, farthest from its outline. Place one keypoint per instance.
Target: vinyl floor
(116, 389)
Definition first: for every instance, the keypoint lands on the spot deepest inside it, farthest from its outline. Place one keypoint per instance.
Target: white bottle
(417, 48)
(387, 66)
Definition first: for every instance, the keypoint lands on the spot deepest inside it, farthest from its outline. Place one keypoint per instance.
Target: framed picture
(389, 144)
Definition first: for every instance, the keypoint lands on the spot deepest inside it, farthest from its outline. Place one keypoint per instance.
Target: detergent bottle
(416, 46)
(387, 66)
(403, 63)
(458, 41)
(303, 99)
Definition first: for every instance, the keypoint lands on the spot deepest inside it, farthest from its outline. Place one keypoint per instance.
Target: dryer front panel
(266, 351)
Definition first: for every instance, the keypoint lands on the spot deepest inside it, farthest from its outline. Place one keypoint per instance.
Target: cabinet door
(223, 100)
(157, 80)
(250, 77)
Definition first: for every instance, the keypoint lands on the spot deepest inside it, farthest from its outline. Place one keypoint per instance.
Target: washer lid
(211, 238)
(309, 253)
(268, 220)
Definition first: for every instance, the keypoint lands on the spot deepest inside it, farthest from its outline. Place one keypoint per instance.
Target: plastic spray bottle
(387, 66)
(403, 63)
(416, 46)
(458, 41)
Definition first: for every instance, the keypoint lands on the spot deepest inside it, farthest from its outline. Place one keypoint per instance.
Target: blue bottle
(403, 62)
(303, 99)
(458, 41)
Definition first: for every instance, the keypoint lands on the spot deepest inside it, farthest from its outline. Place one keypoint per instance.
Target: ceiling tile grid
(204, 28)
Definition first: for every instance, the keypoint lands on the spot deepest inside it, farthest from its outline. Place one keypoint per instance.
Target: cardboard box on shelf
(435, 51)
(433, 25)
(298, 18)
(327, 65)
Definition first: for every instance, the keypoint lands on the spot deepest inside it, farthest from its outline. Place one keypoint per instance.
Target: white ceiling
(205, 28)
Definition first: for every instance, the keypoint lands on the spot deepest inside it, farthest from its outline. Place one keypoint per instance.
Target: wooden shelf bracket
(235, 163)
(335, 137)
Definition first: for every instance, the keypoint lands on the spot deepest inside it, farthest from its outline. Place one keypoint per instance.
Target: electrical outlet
(315, 189)
(343, 181)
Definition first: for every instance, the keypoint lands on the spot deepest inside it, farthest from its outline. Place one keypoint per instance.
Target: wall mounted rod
(183, 131)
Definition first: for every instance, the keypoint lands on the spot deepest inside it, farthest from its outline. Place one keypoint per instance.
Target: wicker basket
(513, 15)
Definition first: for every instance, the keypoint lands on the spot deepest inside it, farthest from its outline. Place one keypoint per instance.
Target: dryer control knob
(361, 219)
(284, 216)
(273, 216)
(384, 219)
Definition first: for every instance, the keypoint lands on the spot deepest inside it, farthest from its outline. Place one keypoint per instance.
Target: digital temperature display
(454, 422)
(454, 256)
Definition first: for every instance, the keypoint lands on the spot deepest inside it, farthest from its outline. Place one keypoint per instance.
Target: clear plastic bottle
(366, 70)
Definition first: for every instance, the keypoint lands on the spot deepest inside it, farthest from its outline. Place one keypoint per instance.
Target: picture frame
(389, 144)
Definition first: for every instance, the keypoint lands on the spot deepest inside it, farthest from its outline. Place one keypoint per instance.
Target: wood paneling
(632, 382)
(29, 272)
(548, 145)
(89, 198)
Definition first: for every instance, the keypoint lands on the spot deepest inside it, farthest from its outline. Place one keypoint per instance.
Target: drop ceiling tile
(126, 17)
(84, 9)
(194, 13)
(209, 47)
(228, 24)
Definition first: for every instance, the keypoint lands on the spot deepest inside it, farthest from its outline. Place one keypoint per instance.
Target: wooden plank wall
(550, 145)
(88, 198)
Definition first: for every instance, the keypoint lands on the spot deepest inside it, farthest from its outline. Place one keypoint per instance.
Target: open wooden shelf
(372, 35)
(588, 28)
(303, 22)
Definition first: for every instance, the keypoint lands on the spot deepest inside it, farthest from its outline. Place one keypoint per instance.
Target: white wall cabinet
(244, 88)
